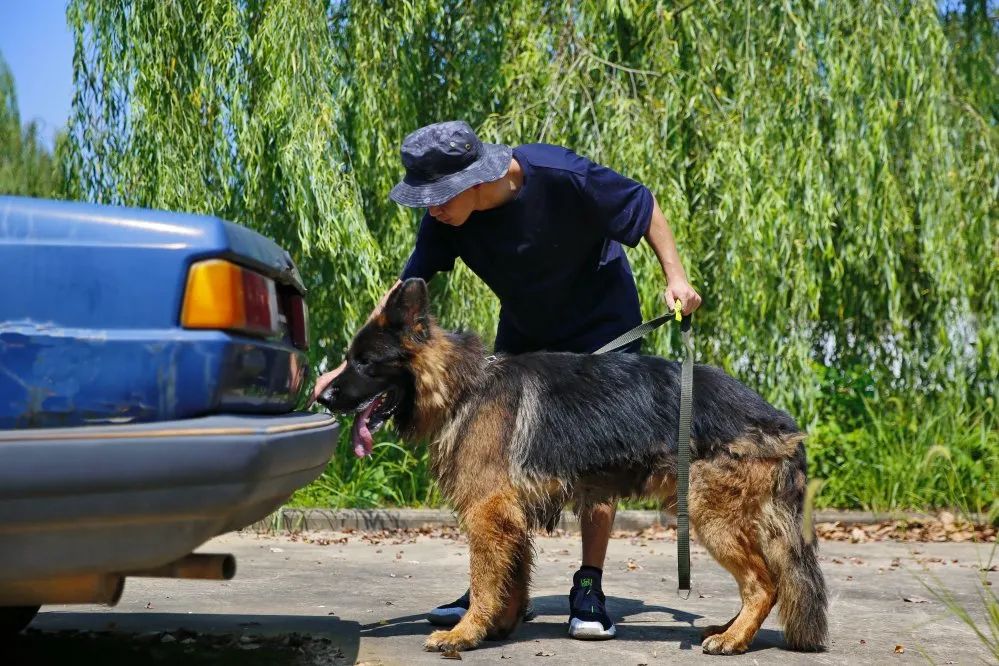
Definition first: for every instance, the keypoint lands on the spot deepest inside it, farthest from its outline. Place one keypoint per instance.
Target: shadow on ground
(688, 637)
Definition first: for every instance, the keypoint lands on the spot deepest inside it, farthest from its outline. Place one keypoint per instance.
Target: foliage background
(829, 168)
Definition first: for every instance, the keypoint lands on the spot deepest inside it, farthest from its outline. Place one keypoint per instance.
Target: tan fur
(760, 445)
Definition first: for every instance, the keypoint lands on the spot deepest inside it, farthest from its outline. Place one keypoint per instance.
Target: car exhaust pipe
(107, 588)
(196, 566)
(84, 589)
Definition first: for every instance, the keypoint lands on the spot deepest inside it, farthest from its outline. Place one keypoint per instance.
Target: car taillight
(222, 295)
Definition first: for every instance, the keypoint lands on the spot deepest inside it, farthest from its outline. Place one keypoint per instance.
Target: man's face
(455, 212)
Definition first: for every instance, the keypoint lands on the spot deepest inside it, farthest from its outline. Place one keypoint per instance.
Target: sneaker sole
(590, 631)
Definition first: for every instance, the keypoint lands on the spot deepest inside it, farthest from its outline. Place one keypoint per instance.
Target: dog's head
(378, 381)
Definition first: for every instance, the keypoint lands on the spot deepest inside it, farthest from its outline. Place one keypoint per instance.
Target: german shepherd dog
(513, 440)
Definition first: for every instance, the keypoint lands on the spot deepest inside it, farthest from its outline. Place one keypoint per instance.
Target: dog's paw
(724, 643)
(446, 641)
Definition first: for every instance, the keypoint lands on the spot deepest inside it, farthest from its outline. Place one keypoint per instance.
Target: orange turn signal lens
(222, 295)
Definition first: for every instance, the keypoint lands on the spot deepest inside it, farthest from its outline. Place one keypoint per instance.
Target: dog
(514, 439)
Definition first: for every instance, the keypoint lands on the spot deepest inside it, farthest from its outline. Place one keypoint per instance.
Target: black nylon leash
(683, 437)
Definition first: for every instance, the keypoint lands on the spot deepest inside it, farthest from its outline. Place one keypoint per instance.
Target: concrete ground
(317, 600)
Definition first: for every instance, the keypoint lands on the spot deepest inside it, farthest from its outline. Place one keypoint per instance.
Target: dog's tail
(792, 557)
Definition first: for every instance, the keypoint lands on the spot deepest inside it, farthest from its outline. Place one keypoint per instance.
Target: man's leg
(596, 525)
(588, 617)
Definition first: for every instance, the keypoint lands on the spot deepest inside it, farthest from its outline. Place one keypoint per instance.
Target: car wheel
(13, 619)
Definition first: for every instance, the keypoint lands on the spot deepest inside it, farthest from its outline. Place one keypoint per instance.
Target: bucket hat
(445, 159)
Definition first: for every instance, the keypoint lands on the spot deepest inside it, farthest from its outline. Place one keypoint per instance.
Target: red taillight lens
(260, 299)
(298, 321)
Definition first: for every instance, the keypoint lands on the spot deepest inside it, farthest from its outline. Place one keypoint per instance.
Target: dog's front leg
(497, 535)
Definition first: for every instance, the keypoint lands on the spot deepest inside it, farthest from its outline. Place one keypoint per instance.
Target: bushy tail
(793, 561)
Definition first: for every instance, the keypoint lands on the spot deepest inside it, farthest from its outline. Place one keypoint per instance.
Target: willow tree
(827, 166)
(26, 166)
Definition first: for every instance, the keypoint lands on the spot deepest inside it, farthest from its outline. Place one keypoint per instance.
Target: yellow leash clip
(678, 310)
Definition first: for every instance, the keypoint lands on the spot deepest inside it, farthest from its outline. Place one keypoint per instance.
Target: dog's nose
(328, 396)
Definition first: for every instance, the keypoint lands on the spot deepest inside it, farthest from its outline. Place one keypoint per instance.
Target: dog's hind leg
(499, 555)
(724, 510)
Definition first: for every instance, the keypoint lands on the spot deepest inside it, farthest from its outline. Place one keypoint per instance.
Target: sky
(38, 48)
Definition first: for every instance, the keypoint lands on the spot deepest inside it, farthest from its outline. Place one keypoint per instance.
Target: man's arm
(660, 238)
(325, 379)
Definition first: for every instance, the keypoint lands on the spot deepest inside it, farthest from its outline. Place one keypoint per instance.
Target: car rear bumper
(104, 499)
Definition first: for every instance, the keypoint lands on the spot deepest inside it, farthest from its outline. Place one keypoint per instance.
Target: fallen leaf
(542, 653)
(863, 642)
(899, 649)
(913, 599)
(451, 654)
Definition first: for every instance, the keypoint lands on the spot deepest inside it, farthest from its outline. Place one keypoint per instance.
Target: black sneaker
(450, 614)
(588, 619)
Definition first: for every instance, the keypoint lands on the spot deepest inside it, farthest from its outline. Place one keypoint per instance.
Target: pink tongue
(361, 435)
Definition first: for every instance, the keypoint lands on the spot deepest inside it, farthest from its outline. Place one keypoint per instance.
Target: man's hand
(324, 381)
(681, 289)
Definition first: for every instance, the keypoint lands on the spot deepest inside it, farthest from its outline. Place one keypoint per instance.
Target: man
(542, 227)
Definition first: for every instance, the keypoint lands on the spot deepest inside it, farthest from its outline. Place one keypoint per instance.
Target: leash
(683, 438)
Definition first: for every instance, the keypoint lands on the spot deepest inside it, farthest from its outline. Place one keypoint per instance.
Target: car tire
(14, 619)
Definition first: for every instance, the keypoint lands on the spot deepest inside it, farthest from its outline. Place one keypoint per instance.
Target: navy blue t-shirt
(552, 254)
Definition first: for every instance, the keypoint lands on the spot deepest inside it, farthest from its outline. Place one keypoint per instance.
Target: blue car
(150, 366)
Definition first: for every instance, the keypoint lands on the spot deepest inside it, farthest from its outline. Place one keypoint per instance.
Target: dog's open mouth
(371, 416)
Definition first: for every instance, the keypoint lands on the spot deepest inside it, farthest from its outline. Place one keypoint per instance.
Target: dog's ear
(408, 308)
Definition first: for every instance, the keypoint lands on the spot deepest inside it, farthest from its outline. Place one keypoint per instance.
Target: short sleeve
(620, 206)
(432, 253)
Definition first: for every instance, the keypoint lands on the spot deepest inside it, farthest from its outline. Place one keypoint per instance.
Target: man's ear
(408, 308)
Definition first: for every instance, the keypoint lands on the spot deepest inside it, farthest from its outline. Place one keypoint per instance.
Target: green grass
(394, 475)
(908, 454)
(986, 630)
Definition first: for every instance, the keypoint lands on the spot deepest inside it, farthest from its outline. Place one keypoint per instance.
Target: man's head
(445, 163)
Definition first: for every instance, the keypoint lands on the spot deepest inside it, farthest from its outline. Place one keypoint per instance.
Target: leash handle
(680, 317)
